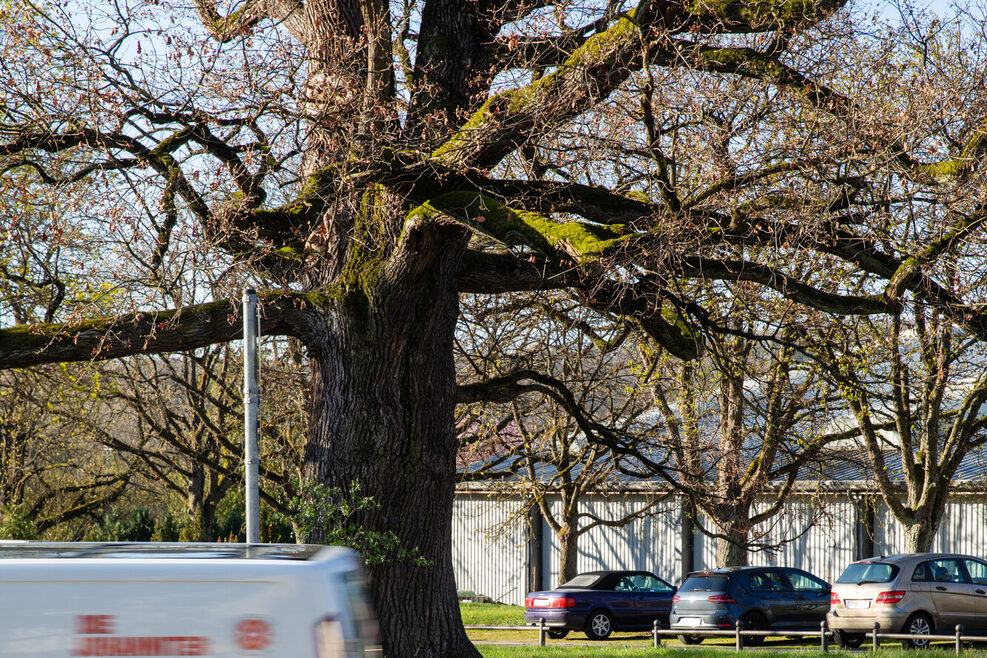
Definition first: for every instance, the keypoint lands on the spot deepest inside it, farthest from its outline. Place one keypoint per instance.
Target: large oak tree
(365, 162)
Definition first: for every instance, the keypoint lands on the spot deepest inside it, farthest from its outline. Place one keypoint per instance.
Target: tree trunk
(731, 547)
(381, 415)
(919, 538)
(919, 534)
(568, 551)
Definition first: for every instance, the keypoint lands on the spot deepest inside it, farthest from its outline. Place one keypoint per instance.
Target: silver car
(919, 593)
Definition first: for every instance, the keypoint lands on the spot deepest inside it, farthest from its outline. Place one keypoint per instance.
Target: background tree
(185, 427)
(53, 477)
(545, 370)
(737, 430)
(917, 390)
(346, 182)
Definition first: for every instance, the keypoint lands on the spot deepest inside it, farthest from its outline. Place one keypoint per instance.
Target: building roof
(842, 470)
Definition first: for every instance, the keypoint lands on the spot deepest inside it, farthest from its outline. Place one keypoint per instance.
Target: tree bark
(384, 387)
(731, 548)
(568, 549)
(919, 536)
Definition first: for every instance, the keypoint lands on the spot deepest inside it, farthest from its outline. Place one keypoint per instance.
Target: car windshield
(869, 572)
(582, 581)
(705, 582)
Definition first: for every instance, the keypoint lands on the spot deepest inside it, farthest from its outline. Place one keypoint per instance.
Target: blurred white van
(159, 599)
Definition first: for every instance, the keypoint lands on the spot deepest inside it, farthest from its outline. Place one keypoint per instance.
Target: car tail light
(331, 642)
(564, 602)
(676, 598)
(834, 598)
(890, 598)
(721, 598)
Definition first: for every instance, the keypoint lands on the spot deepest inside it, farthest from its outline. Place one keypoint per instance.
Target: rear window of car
(869, 572)
(582, 581)
(706, 582)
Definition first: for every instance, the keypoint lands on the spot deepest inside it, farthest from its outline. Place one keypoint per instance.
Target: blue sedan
(600, 602)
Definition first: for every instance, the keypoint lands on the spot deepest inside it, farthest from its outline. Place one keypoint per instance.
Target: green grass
(491, 651)
(492, 614)
(576, 645)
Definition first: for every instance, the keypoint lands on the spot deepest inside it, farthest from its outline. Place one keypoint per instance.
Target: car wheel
(918, 624)
(848, 640)
(755, 621)
(599, 625)
(559, 634)
(691, 639)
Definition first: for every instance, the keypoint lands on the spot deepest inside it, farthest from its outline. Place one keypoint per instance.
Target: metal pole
(740, 639)
(541, 632)
(875, 641)
(251, 403)
(822, 637)
(959, 638)
(654, 631)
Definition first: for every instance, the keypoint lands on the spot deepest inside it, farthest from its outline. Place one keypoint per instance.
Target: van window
(705, 582)
(363, 615)
(869, 572)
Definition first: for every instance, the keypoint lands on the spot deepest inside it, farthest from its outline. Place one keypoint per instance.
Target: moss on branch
(151, 332)
(759, 15)
(589, 73)
(581, 241)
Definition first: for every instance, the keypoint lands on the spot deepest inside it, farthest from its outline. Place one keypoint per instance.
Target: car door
(654, 600)
(977, 570)
(953, 594)
(813, 598)
(624, 602)
(774, 596)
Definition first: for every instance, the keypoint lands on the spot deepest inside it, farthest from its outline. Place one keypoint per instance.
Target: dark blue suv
(763, 598)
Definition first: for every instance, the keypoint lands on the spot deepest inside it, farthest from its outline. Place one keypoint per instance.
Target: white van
(158, 599)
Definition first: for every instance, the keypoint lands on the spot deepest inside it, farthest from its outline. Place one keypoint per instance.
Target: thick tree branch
(240, 22)
(789, 287)
(153, 332)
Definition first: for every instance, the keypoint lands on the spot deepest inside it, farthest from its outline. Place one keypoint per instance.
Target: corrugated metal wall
(651, 543)
(813, 534)
(489, 547)
(963, 528)
(821, 536)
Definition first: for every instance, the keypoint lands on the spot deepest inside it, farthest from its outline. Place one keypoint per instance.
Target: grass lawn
(492, 614)
(496, 644)
(491, 651)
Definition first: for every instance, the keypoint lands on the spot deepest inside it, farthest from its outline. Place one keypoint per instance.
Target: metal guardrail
(824, 634)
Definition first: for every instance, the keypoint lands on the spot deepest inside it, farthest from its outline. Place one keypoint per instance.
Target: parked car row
(918, 594)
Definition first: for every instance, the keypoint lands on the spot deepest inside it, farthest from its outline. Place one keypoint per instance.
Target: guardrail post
(654, 632)
(740, 639)
(959, 634)
(875, 643)
(822, 637)
(541, 632)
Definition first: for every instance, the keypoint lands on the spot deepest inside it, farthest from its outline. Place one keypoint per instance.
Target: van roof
(160, 550)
